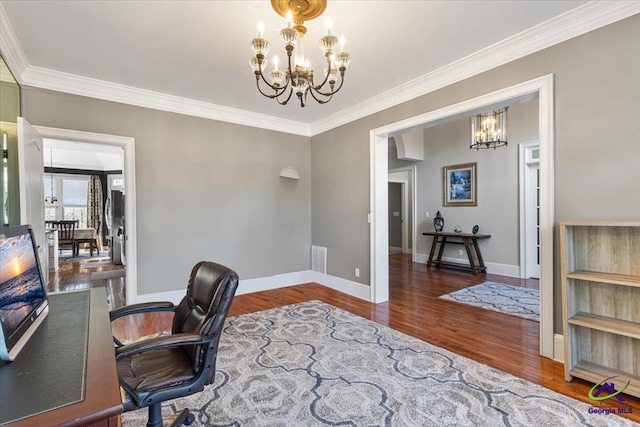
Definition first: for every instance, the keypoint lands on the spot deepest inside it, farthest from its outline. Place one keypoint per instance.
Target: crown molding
(10, 47)
(573, 23)
(84, 86)
(588, 17)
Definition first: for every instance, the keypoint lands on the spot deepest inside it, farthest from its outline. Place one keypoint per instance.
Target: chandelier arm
(320, 101)
(265, 94)
(275, 88)
(326, 78)
(286, 100)
(333, 92)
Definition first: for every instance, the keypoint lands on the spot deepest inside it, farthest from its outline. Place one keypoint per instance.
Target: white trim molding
(558, 348)
(573, 23)
(542, 88)
(247, 286)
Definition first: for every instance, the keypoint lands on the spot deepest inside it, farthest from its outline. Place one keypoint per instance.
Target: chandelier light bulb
(276, 61)
(289, 18)
(260, 28)
(329, 25)
(342, 42)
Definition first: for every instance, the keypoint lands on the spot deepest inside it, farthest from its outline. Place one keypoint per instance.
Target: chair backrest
(65, 228)
(204, 308)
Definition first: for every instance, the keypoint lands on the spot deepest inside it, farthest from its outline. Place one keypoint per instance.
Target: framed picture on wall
(460, 185)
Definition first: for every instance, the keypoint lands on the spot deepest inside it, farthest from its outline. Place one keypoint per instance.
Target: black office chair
(166, 367)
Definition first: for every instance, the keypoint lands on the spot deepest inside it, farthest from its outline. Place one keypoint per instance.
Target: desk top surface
(102, 392)
(452, 234)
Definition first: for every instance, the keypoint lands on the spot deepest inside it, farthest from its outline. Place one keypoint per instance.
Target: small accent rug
(507, 299)
(109, 274)
(312, 364)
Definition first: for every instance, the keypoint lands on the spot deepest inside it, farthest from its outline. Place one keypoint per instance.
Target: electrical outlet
(357, 272)
(459, 251)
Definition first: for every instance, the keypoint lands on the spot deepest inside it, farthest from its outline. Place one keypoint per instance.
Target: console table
(93, 401)
(465, 239)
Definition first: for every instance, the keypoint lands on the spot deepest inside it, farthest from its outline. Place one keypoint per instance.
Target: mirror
(10, 109)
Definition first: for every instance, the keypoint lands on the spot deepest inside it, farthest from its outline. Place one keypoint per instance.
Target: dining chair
(66, 231)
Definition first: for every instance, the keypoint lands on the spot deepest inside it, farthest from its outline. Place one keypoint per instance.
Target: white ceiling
(198, 51)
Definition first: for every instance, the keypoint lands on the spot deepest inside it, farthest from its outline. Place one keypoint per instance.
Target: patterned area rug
(514, 300)
(312, 364)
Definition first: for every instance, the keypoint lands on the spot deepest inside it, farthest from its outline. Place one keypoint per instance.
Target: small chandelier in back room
(489, 130)
(298, 74)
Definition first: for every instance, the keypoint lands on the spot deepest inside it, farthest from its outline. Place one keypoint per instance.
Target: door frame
(541, 88)
(524, 155)
(127, 143)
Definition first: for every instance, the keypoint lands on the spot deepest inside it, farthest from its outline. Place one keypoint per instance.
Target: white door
(532, 211)
(31, 183)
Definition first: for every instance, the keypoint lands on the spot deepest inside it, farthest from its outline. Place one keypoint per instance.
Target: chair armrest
(145, 307)
(165, 341)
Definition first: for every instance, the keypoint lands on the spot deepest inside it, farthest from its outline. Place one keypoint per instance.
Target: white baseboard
(558, 348)
(345, 286)
(247, 286)
(394, 249)
(492, 267)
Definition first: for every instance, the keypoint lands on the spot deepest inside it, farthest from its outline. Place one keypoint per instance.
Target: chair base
(185, 417)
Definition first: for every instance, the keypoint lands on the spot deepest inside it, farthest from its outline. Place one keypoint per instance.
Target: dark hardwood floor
(505, 342)
(75, 274)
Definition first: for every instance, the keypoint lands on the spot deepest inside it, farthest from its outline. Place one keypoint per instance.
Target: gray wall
(597, 134)
(497, 212)
(205, 190)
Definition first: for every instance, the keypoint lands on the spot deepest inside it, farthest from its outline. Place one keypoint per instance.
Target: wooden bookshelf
(600, 263)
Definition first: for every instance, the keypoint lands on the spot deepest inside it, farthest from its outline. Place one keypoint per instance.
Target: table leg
(443, 242)
(472, 263)
(479, 255)
(433, 250)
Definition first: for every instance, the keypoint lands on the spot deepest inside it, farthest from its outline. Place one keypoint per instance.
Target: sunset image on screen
(20, 283)
(16, 257)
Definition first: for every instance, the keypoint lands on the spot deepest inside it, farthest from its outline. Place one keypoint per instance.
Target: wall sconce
(289, 172)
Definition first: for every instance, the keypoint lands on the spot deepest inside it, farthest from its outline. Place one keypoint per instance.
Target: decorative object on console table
(475, 229)
(438, 222)
(460, 185)
(457, 229)
(600, 299)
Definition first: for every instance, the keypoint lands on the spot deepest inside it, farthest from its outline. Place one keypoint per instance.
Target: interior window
(71, 191)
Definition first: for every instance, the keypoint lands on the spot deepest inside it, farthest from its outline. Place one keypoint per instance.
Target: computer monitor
(23, 298)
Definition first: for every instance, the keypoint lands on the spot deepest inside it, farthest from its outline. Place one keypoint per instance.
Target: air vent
(319, 259)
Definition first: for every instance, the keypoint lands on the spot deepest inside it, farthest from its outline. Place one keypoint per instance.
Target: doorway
(403, 179)
(541, 88)
(127, 145)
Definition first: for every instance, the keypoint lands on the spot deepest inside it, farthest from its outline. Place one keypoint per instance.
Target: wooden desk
(465, 239)
(102, 403)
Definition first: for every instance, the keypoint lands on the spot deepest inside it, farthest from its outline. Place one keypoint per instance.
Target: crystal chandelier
(298, 76)
(489, 130)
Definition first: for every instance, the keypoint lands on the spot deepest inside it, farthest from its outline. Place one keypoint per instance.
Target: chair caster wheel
(184, 418)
